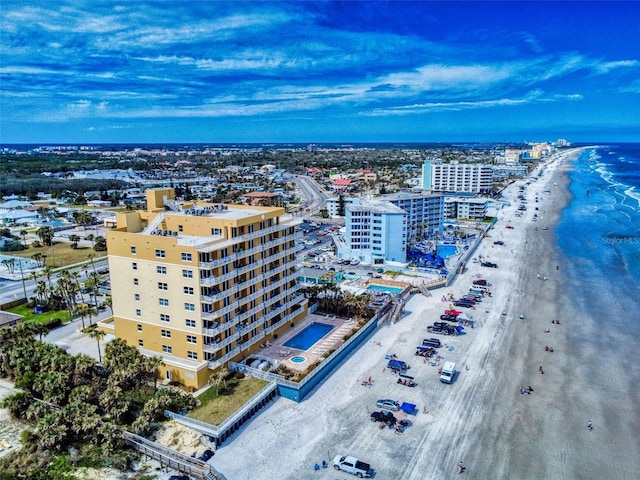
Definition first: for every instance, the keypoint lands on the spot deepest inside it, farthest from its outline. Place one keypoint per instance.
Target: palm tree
(91, 256)
(38, 258)
(46, 235)
(74, 241)
(216, 379)
(98, 335)
(152, 364)
(82, 310)
(10, 264)
(23, 234)
(91, 237)
(108, 302)
(48, 272)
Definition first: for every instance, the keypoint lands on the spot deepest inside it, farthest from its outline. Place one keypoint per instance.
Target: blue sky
(208, 71)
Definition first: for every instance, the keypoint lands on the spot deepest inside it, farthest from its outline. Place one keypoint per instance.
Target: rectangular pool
(308, 337)
(445, 251)
(384, 288)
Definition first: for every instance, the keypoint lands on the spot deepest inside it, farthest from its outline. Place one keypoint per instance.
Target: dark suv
(386, 417)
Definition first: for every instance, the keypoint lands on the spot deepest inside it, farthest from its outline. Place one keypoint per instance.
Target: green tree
(45, 234)
(74, 241)
(98, 335)
(100, 244)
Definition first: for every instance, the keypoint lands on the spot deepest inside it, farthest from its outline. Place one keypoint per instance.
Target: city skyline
(171, 72)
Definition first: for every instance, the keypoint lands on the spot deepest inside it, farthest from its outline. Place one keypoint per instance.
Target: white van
(448, 371)
(479, 288)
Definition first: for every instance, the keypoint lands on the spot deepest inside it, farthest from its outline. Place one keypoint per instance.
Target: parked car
(352, 465)
(206, 455)
(481, 281)
(448, 318)
(498, 242)
(386, 417)
(431, 342)
(510, 227)
(461, 303)
(489, 264)
(388, 404)
(179, 477)
(103, 271)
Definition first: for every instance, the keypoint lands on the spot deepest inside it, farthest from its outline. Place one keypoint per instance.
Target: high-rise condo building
(202, 284)
(457, 177)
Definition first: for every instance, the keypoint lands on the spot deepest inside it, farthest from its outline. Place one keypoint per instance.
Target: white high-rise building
(457, 177)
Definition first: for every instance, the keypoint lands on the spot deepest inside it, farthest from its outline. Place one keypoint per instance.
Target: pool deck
(277, 351)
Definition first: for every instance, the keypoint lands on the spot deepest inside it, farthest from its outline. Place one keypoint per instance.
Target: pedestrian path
(329, 342)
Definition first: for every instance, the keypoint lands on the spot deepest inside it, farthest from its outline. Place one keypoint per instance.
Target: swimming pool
(308, 337)
(385, 288)
(445, 251)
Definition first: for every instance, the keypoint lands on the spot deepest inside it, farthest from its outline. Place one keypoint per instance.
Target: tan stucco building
(202, 284)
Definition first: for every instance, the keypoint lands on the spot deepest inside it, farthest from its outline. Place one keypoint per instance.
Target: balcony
(252, 236)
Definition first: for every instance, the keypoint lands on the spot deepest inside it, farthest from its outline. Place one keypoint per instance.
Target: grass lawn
(39, 317)
(214, 409)
(63, 253)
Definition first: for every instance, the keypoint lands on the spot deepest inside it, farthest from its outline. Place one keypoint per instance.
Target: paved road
(314, 197)
(11, 287)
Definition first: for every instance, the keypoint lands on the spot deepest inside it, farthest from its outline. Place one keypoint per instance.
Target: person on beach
(540, 371)
(460, 467)
(589, 425)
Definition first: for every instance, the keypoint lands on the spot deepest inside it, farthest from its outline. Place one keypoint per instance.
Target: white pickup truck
(352, 465)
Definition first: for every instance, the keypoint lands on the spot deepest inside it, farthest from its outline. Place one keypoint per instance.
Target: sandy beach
(482, 418)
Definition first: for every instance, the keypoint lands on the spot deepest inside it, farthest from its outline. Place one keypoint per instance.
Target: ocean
(600, 228)
(599, 237)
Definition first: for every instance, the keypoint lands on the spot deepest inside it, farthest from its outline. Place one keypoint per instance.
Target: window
(160, 253)
(166, 333)
(187, 273)
(216, 231)
(133, 250)
(136, 297)
(135, 281)
(188, 290)
(139, 327)
(161, 270)
(190, 307)
(186, 257)
(162, 286)
(164, 317)
(140, 342)
(191, 339)
(192, 355)
(166, 349)
(134, 266)
(190, 323)
(180, 228)
(164, 302)
(138, 312)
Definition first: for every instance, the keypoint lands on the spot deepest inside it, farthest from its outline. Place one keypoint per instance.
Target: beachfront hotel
(201, 284)
(457, 177)
(378, 231)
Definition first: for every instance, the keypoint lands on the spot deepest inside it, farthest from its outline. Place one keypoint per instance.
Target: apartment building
(375, 233)
(425, 213)
(465, 207)
(457, 177)
(202, 284)
(378, 231)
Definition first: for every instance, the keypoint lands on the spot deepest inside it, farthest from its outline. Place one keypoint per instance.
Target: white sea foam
(631, 192)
